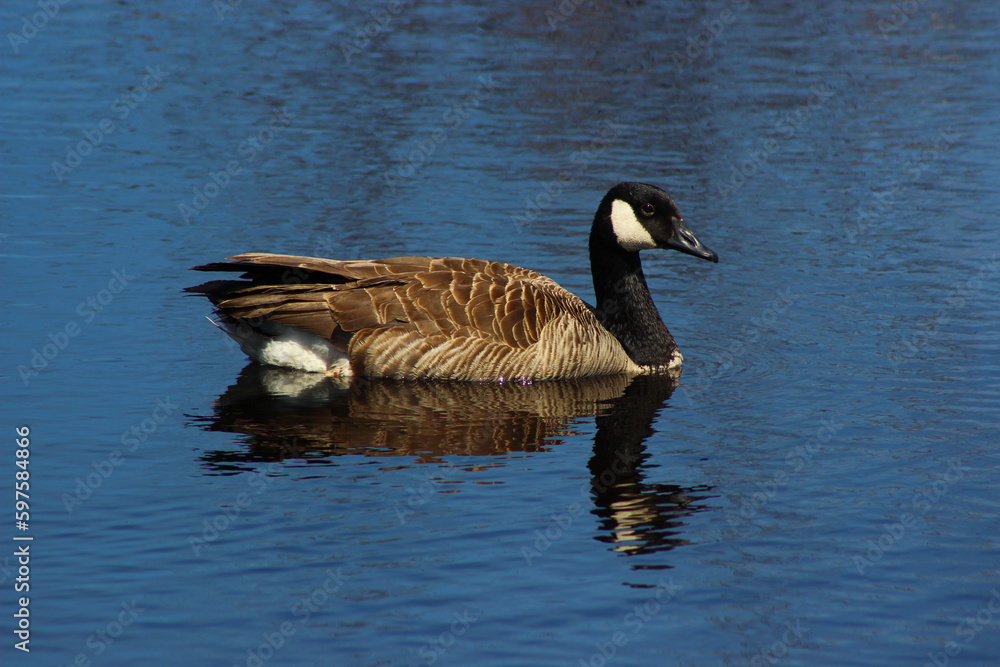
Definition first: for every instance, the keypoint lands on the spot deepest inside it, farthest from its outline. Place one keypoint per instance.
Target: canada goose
(461, 319)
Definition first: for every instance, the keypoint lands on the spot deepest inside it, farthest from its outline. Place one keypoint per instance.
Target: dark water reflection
(286, 415)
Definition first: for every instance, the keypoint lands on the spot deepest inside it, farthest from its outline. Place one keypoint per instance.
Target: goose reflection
(288, 414)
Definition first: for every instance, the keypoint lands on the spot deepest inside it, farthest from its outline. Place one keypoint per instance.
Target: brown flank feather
(426, 317)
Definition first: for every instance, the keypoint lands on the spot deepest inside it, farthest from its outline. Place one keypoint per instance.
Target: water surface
(820, 488)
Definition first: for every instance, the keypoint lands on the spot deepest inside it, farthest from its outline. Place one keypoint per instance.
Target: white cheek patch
(631, 234)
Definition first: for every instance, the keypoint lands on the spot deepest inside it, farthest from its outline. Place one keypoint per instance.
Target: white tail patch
(631, 233)
(299, 385)
(276, 344)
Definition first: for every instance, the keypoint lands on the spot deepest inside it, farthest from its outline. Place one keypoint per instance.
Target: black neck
(624, 304)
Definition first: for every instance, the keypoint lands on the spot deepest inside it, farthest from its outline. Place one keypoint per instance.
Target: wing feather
(395, 311)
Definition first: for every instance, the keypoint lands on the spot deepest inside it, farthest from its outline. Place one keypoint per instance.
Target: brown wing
(406, 306)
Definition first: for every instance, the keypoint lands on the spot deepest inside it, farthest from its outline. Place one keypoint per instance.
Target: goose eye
(647, 210)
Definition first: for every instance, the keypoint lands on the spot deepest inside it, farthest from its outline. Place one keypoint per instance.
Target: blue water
(820, 489)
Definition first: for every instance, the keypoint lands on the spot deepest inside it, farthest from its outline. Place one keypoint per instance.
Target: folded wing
(402, 316)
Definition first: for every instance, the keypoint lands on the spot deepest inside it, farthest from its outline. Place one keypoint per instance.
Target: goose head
(637, 216)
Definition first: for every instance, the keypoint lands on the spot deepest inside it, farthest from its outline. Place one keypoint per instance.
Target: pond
(820, 487)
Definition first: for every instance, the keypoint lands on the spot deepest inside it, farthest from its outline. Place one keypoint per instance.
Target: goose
(450, 318)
